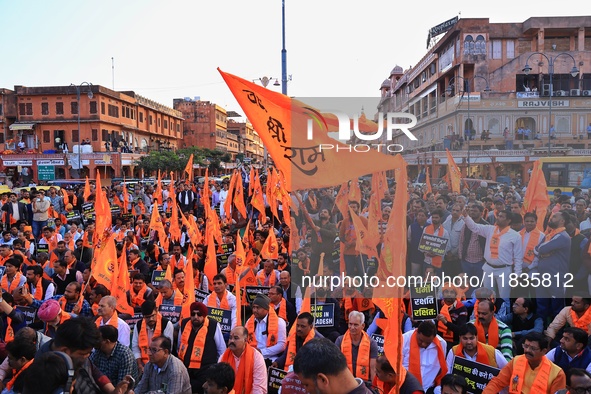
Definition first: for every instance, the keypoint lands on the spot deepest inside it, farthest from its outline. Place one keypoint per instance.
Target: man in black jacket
(15, 211)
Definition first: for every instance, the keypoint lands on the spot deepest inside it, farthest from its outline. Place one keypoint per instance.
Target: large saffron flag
(189, 285)
(121, 286)
(306, 160)
(270, 249)
(211, 263)
(455, 175)
(87, 191)
(239, 195)
(105, 265)
(189, 169)
(364, 243)
(156, 224)
(228, 202)
(342, 199)
(258, 201)
(536, 196)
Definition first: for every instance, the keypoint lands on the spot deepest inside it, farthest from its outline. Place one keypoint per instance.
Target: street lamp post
(283, 52)
(90, 96)
(574, 72)
(467, 82)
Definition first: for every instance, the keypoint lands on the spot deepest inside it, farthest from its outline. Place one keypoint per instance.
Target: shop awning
(22, 126)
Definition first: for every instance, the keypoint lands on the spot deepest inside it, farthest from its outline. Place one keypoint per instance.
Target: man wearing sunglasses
(201, 343)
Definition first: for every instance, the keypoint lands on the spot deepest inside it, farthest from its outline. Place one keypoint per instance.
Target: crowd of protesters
(529, 315)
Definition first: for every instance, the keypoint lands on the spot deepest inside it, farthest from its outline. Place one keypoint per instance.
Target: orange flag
(175, 230)
(365, 244)
(189, 169)
(354, 191)
(231, 191)
(257, 200)
(87, 192)
(192, 230)
(428, 182)
(294, 237)
(536, 195)
(240, 253)
(393, 341)
(378, 185)
(206, 192)
(125, 198)
(455, 176)
(270, 248)
(121, 286)
(156, 224)
(211, 263)
(342, 199)
(251, 183)
(237, 292)
(189, 284)
(270, 192)
(106, 264)
(247, 277)
(239, 195)
(302, 160)
(102, 210)
(65, 197)
(158, 192)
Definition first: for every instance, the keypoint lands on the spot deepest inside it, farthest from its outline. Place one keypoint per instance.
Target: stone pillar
(581, 39)
(540, 47)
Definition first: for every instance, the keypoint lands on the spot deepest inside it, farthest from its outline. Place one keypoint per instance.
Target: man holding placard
(473, 350)
(221, 298)
(435, 242)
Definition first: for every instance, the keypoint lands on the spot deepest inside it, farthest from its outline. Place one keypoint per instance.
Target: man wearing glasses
(578, 381)
(164, 372)
(152, 325)
(530, 373)
(201, 343)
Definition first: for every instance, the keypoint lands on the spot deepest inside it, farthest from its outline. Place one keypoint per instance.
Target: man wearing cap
(107, 315)
(266, 331)
(248, 364)
(201, 343)
(152, 325)
(52, 315)
(68, 302)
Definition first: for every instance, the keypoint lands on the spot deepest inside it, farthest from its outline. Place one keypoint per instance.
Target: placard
(433, 244)
(132, 320)
(323, 315)
(223, 317)
(73, 215)
(171, 312)
(200, 295)
(276, 376)
(28, 311)
(42, 248)
(423, 301)
(88, 210)
(477, 375)
(115, 210)
(252, 291)
(157, 277)
(380, 342)
(227, 250)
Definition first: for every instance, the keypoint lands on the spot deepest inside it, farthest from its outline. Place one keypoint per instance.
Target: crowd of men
(528, 316)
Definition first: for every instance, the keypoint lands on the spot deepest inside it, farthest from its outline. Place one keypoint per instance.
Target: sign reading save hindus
(433, 244)
(423, 301)
(323, 315)
(477, 375)
(223, 317)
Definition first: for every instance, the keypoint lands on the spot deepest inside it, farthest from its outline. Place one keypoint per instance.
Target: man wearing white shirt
(503, 251)
(221, 298)
(266, 331)
(424, 349)
(107, 315)
(472, 350)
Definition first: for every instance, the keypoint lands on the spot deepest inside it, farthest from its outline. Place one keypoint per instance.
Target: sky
(171, 49)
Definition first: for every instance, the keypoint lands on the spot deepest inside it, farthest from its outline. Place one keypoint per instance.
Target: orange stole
(244, 374)
(272, 329)
(113, 321)
(362, 364)
(414, 366)
(430, 229)
(261, 277)
(283, 309)
(528, 251)
(493, 333)
(541, 383)
(482, 356)
(143, 337)
(583, 321)
(291, 347)
(198, 345)
(213, 301)
(495, 241)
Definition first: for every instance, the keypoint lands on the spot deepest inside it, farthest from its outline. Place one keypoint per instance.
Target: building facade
(205, 124)
(250, 142)
(471, 86)
(78, 129)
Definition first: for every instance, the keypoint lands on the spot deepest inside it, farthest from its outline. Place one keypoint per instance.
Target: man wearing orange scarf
(283, 308)
(268, 276)
(493, 331)
(423, 354)
(304, 332)
(553, 261)
(200, 343)
(107, 315)
(221, 298)
(503, 252)
(386, 379)
(139, 292)
(359, 349)
(266, 331)
(530, 373)
(473, 350)
(436, 229)
(248, 364)
(577, 315)
(452, 315)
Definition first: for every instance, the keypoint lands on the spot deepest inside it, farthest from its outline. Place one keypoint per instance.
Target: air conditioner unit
(546, 89)
(546, 93)
(561, 93)
(586, 92)
(575, 92)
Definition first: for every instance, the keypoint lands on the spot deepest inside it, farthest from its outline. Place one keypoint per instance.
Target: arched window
(468, 45)
(480, 45)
